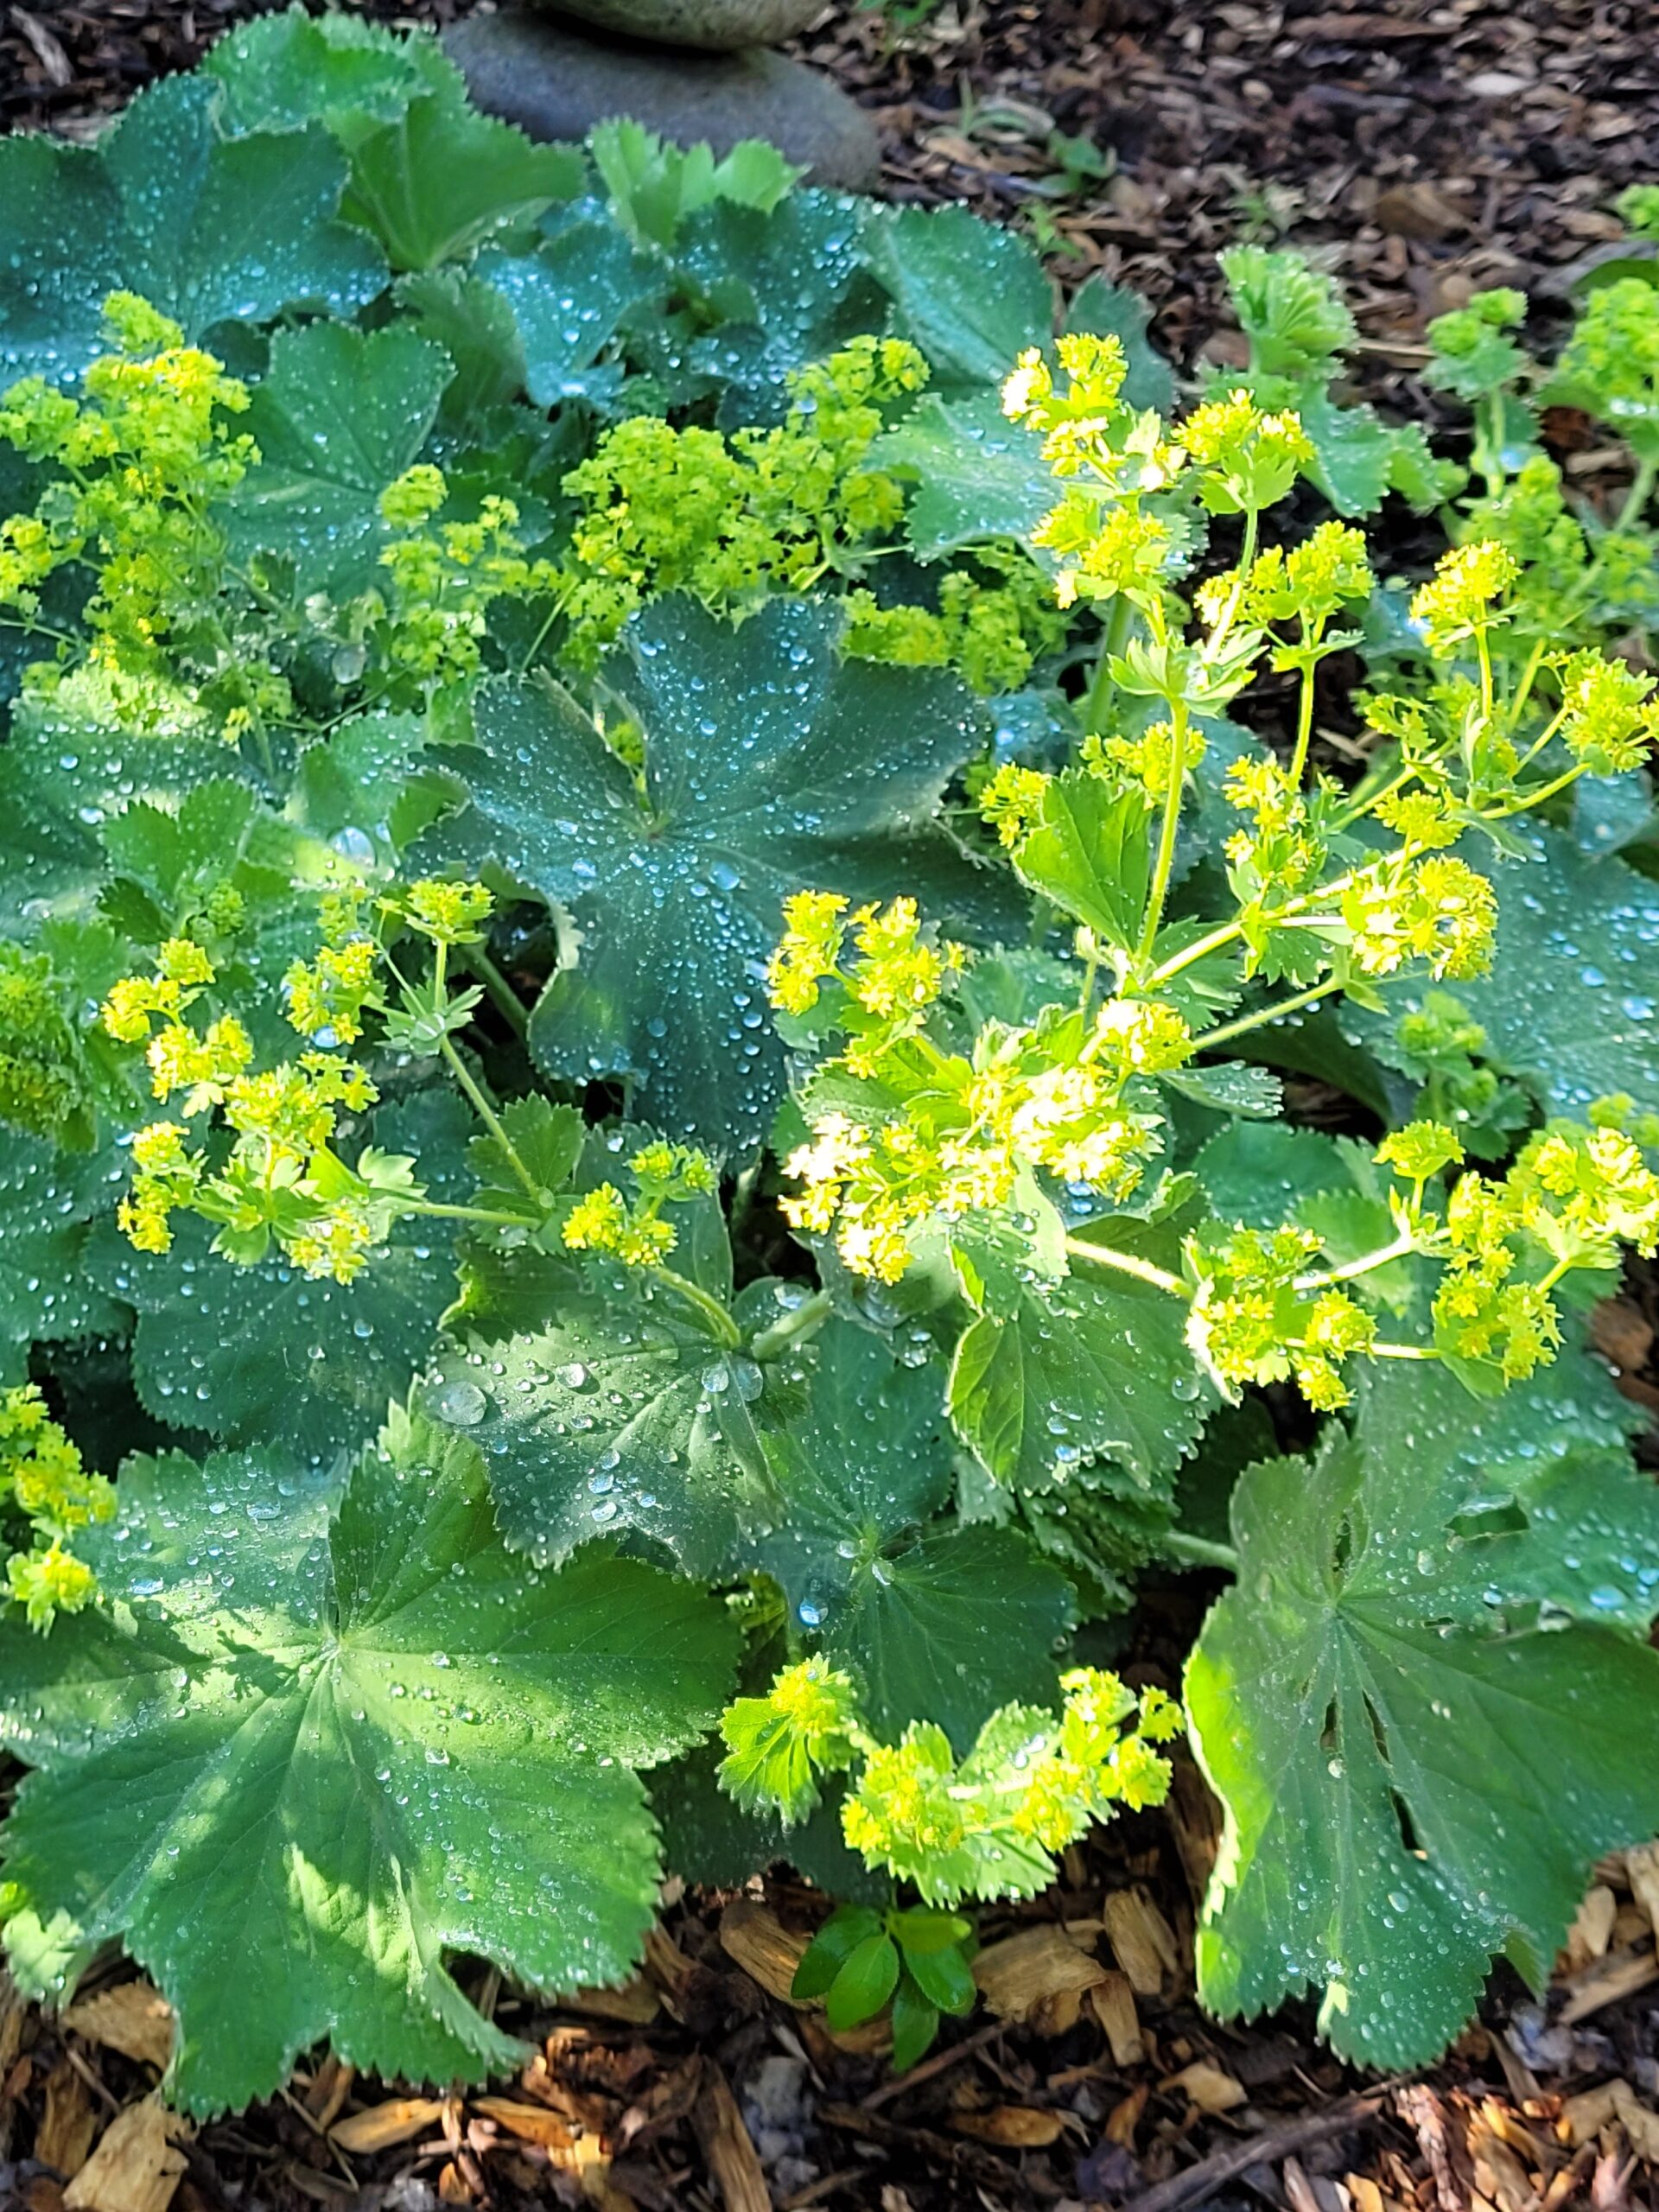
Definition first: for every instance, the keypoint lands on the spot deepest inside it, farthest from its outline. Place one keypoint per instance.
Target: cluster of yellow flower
(43, 1481)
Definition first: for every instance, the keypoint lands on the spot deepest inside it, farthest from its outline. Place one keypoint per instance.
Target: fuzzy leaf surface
(1093, 1368)
(771, 765)
(208, 228)
(971, 296)
(394, 1741)
(946, 1623)
(265, 1353)
(339, 414)
(1428, 1703)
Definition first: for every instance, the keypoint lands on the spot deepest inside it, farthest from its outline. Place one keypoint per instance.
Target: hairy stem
(1166, 859)
(1366, 1264)
(803, 1320)
(1229, 1029)
(1198, 1551)
(1125, 1263)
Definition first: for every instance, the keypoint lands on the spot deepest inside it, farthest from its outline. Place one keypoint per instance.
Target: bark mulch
(1421, 150)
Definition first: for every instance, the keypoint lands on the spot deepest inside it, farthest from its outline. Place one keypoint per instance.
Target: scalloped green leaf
(1571, 1006)
(337, 414)
(1428, 1704)
(788, 285)
(265, 1352)
(48, 1199)
(283, 71)
(619, 1414)
(439, 179)
(942, 1621)
(569, 299)
(975, 474)
(312, 1758)
(971, 296)
(1094, 1368)
(208, 228)
(771, 765)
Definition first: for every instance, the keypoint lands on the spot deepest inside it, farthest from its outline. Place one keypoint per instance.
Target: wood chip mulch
(1421, 150)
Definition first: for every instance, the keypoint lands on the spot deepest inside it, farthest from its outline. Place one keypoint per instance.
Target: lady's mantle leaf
(771, 765)
(971, 296)
(1427, 1704)
(1571, 1006)
(1085, 1370)
(47, 1199)
(306, 1761)
(945, 1625)
(205, 227)
(339, 414)
(617, 1415)
(264, 1352)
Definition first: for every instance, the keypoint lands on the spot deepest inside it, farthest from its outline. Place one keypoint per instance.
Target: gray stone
(556, 81)
(719, 25)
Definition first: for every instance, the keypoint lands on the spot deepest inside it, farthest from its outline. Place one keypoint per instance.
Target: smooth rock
(556, 81)
(721, 26)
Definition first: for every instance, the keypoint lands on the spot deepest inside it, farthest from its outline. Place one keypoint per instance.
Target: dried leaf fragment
(134, 2018)
(1112, 2002)
(137, 2166)
(1208, 2086)
(1016, 2128)
(1142, 1941)
(1021, 1977)
(732, 2159)
(398, 2120)
(68, 2123)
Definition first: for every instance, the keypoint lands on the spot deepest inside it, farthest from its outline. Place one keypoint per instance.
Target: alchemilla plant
(664, 866)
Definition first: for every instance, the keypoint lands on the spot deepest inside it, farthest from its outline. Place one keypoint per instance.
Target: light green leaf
(1093, 1368)
(209, 229)
(396, 1741)
(946, 1622)
(264, 1352)
(971, 296)
(771, 765)
(339, 414)
(440, 178)
(1089, 851)
(976, 474)
(1428, 1704)
(285, 71)
(477, 329)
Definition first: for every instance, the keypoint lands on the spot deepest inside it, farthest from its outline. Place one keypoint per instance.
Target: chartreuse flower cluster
(282, 1180)
(45, 1490)
(138, 463)
(736, 517)
(985, 1826)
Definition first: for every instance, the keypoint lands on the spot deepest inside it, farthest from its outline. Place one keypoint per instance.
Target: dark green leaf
(863, 1985)
(915, 2024)
(1429, 1703)
(440, 178)
(943, 1977)
(975, 474)
(771, 765)
(569, 299)
(264, 1352)
(848, 1926)
(206, 228)
(396, 1741)
(947, 1624)
(340, 413)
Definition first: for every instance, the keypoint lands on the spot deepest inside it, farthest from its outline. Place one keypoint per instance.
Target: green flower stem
(1125, 1263)
(1366, 1264)
(1113, 638)
(721, 1326)
(1640, 493)
(491, 1119)
(805, 1320)
(1198, 1551)
(481, 1104)
(462, 1213)
(1178, 719)
(1304, 722)
(1246, 1022)
(1400, 1351)
(506, 1001)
